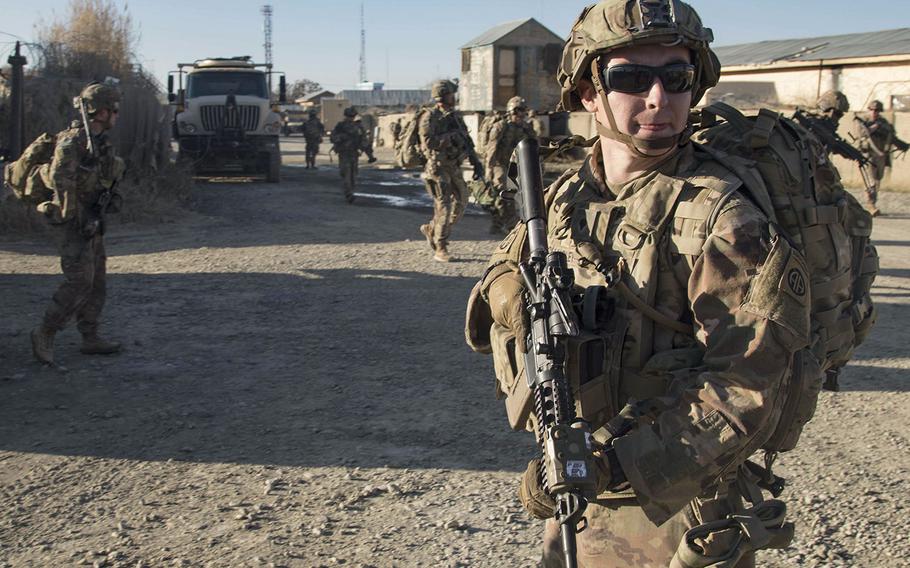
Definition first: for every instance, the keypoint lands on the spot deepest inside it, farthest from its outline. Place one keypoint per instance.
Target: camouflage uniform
(442, 134)
(313, 131)
(79, 176)
(349, 140)
(704, 328)
(877, 139)
(82, 257)
(504, 137)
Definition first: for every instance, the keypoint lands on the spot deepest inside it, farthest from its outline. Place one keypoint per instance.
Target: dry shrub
(93, 40)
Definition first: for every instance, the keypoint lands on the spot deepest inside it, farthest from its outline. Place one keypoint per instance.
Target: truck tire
(273, 175)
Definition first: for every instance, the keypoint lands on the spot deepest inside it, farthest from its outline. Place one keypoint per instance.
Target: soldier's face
(653, 113)
(875, 114)
(107, 118)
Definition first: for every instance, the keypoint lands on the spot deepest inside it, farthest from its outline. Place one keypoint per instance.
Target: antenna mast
(267, 31)
(363, 47)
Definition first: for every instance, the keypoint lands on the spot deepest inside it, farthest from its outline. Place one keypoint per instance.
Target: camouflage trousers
(347, 167)
(876, 168)
(312, 149)
(450, 195)
(83, 291)
(503, 210)
(619, 535)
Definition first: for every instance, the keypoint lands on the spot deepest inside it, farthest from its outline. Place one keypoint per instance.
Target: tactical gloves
(478, 170)
(539, 504)
(507, 307)
(533, 498)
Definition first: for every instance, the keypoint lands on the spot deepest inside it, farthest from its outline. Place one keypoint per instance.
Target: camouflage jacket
(77, 177)
(313, 129)
(504, 137)
(717, 368)
(348, 138)
(444, 139)
(877, 137)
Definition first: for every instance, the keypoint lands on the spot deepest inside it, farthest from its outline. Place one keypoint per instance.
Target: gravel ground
(295, 391)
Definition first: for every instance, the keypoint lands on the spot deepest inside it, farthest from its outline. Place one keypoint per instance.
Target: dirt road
(296, 391)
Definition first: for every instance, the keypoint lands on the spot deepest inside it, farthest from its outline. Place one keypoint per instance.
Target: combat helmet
(614, 24)
(350, 112)
(516, 104)
(312, 114)
(877, 106)
(97, 97)
(833, 101)
(442, 88)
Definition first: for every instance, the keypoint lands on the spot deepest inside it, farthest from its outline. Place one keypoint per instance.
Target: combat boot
(43, 344)
(428, 233)
(94, 345)
(442, 253)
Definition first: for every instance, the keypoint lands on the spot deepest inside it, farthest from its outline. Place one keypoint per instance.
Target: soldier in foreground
(877, 139)
(446, 143)
(349, 140)
(82, 174)
(504, 136)
(313, 131)
(683, 378)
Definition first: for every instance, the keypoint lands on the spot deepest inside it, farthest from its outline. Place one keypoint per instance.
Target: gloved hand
(507, 306)
(532, 496)
(371, 159)
(478, 171)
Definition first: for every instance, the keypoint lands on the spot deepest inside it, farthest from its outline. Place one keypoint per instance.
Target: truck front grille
(215, 117)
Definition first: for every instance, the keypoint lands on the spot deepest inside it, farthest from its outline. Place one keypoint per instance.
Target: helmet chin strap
(635, 144)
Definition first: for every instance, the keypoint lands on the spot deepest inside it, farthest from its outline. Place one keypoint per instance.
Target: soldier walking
(446, 143)
(82, 175)
(503, 138)
(349, 140)
(876, 140)
(313, 131)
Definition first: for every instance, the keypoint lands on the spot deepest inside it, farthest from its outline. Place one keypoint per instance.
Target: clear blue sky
(411, 42)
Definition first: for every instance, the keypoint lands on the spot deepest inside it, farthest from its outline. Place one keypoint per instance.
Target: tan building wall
(475, 90)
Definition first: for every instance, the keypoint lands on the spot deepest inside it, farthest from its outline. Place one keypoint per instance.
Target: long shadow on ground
(361, 368)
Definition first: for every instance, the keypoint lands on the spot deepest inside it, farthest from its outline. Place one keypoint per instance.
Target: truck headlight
(273, 127)
(188, 127)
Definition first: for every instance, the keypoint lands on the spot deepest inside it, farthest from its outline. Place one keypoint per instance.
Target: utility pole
(17, 104)
(267, 44)
(363, 47)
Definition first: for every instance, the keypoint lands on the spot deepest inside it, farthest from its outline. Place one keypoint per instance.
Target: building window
(900, 103)
(552, 53)
(465, 60)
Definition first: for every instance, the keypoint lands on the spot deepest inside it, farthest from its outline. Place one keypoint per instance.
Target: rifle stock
(567, 473)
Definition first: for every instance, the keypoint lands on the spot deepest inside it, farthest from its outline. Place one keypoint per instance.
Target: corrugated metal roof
(318, 95)
(870, 44)
(496, 33)
(386, 98)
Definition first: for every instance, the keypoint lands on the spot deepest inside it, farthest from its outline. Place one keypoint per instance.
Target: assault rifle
(467, 144)
(568, 473)
(828, 136)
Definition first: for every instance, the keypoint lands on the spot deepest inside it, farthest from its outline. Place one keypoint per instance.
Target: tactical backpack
(408, 153)
(486, 127)
(24, 176)
(786, 173)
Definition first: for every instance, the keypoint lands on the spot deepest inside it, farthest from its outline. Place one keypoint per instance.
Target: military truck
(225, 121)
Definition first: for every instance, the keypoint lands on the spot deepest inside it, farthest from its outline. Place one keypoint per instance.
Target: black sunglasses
(631, 78)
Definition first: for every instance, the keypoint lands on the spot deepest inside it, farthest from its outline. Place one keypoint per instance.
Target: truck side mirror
(170, 84)
(282, 90)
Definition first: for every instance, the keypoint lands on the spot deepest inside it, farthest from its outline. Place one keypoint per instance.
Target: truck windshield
(226, 83)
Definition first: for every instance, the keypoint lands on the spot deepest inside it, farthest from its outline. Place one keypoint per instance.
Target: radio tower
(363, 47)
(267, 31)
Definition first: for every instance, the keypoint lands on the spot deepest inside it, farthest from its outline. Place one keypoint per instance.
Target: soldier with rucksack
(716, 283)
(502, 138)
(71, 178)
(349, 140)
(313, 131)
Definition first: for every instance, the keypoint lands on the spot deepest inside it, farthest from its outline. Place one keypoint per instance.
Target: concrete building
(790, 73)
(514, 58)
(314, 99)
(785, 74)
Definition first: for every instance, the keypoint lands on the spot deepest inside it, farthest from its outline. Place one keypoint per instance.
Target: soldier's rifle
(466, 143)
(568, 473)
(96, 223)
